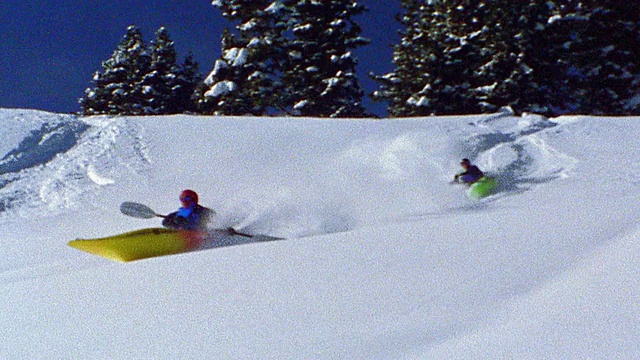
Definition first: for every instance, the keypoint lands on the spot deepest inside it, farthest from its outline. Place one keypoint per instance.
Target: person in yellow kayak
(470, 174)
(191, 215)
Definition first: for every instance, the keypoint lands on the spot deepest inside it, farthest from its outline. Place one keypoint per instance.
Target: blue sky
(50, 50)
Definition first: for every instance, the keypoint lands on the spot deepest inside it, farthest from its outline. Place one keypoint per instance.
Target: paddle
(142, 211)
(139, 211)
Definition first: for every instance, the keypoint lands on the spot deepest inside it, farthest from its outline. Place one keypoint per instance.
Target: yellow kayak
(145, 243)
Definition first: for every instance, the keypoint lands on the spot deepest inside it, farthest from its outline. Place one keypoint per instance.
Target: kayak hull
(145, 243)
(151, 242)
(482, 188)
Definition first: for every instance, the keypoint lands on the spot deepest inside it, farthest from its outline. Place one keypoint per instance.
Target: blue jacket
(196, 219)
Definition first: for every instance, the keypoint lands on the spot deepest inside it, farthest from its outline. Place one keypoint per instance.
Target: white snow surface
(384, 259)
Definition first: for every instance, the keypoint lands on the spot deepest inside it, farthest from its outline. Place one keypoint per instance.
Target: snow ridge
(60, 158)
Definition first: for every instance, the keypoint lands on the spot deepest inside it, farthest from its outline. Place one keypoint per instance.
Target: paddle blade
(137, 210)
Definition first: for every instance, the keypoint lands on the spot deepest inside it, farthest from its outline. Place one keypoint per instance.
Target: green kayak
(482, 188)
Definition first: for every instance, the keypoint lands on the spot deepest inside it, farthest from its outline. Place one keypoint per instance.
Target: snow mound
(53, 161)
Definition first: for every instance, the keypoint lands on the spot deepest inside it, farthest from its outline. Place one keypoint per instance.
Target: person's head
(465, 163)
(188, 198)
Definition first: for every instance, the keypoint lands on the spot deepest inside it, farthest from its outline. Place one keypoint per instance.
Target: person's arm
(173, 221)
(455, 178)
(205, 217)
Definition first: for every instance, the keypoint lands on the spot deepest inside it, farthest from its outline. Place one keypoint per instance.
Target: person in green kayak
(470, 174)
(191, 215)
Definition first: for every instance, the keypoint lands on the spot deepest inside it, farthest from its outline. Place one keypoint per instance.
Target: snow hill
(384, 259)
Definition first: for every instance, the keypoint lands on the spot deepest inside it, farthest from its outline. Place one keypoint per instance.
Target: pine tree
(320, 73)
(245, 78)
(571, 56)
(185, 86)
(435, 59)
(596, 46)
(169, 86)
(287, 55)
(397, 86)
(463, 56)
(140, 80)
(118, 87)
(551, 57)
(156, 83)
(514, 37)
(452, 58)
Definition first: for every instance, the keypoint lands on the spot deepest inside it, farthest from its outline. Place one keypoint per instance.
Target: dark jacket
(471, 175)
(197, 220)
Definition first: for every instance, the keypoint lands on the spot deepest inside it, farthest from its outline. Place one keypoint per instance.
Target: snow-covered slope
(384, 259)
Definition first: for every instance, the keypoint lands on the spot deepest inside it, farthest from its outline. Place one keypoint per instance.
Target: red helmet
(185, 194)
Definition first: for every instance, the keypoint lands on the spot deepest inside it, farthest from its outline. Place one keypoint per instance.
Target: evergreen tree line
(141, 79)
(548, 57)
(455, 57)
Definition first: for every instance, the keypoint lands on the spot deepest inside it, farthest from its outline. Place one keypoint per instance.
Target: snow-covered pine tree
(141, 80)
(596, 45)
(469, 56)
(516, 64)
(392, 85)
(320, 73)
(410, 55)
(436, 59)
(185, 85)
(551, 57)
(157, 82)
(118, 87)
(169, 86)
(245, 79)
